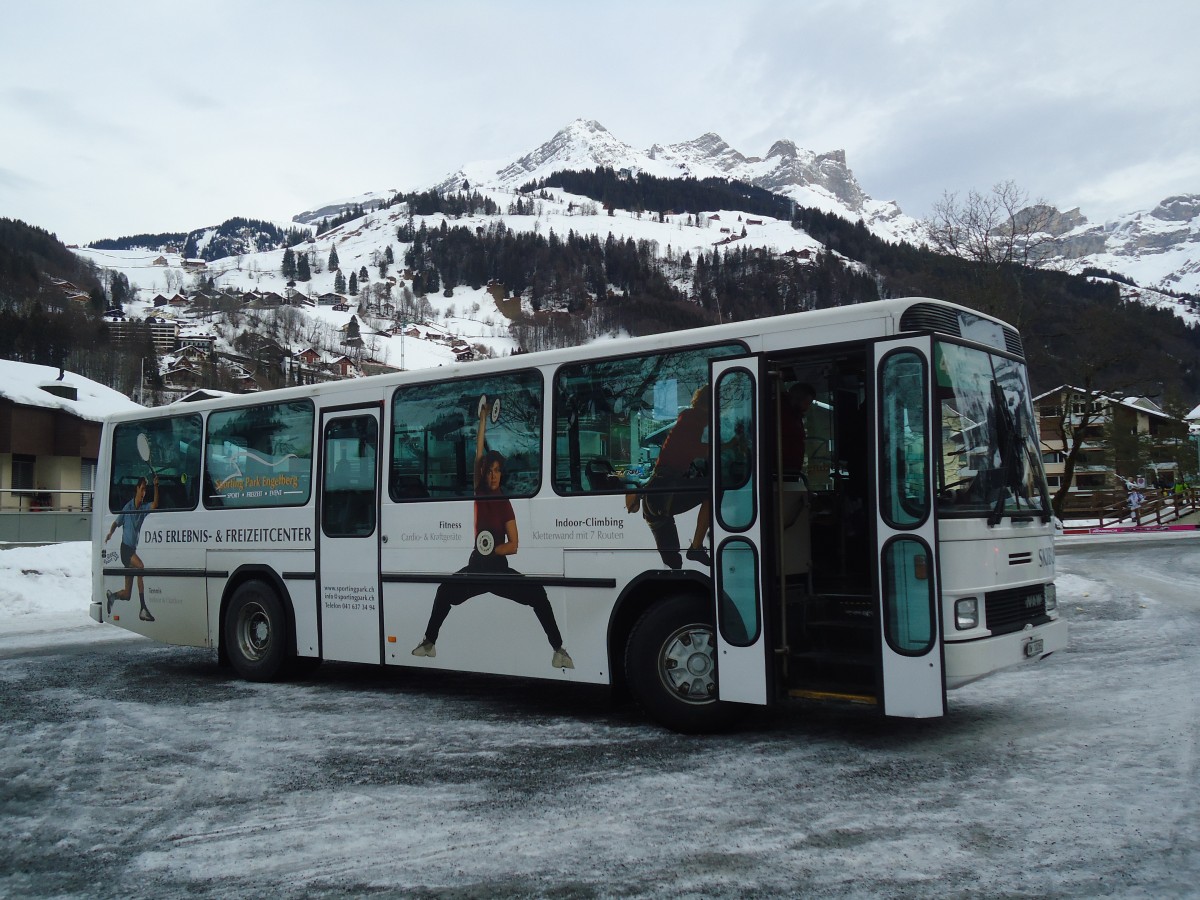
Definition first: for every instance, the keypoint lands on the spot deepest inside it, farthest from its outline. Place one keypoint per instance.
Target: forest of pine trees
(652, 294)
(230, 238)
(648, 193)
(347, 215)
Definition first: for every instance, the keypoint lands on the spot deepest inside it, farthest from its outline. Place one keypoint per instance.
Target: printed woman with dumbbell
(495, 540)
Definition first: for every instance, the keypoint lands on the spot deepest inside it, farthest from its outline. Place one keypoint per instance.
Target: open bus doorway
(823, 556)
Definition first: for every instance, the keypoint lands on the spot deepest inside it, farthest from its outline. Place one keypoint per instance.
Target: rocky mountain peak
(784, 149)
(710, 149)
(1180, 208)
(710, 143)
(803, 169)
(583, 144)
(1057, 223)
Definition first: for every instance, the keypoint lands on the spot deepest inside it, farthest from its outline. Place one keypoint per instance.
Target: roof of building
(22, 383)
(1141, 404)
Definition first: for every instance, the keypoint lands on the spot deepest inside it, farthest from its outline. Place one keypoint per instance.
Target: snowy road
(130, 769)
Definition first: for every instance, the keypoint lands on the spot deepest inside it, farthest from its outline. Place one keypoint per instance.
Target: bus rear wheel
(671, 667)
(255, 632)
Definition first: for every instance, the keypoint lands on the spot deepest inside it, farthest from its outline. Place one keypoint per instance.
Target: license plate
(1033, 648)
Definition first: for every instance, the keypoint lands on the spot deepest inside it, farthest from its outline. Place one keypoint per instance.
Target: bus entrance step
(831, 672)
(832, 695)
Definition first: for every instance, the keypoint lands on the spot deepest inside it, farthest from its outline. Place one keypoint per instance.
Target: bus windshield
(990, 462)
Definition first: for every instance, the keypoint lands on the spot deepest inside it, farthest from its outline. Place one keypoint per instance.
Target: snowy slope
(1157, 248)
(471, 315)
(456, 317)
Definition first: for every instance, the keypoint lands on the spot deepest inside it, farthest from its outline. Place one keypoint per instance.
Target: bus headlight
(966, 613)
(1051, 598)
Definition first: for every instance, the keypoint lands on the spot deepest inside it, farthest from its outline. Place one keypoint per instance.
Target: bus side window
(348, 507)
(436, 427)
(258, 456)
(122, 492)
(612, 418)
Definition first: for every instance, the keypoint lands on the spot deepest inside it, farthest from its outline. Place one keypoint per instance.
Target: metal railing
(45, 499)
(1158, 507)
(45, 516)
(1164, 506)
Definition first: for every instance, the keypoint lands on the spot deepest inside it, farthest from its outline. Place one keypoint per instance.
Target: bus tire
(670, 665)
(255, 632)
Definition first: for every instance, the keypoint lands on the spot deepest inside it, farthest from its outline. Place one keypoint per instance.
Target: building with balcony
(49, 445)
(163, 332)
(1122, 439)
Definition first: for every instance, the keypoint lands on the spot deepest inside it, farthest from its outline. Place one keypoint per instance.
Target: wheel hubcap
(254, 631)
(688, 664)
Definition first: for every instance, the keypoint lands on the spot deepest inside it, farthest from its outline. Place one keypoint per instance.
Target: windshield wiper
(1010, 452)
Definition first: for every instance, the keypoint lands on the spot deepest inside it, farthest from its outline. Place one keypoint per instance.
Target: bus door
(906, 541)
(349, 609)
(735, 442)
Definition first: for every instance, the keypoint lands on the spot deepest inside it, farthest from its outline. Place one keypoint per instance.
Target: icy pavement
(131, 769)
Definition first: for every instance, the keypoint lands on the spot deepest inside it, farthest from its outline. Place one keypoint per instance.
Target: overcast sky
(126, 117)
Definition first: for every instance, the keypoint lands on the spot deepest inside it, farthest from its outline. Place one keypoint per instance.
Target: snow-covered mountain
(1158, 248)
(822, 181)
(332, 208)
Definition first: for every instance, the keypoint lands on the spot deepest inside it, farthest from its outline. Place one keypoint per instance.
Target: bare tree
(1075, 421)
(1001, 237)
(996, 229)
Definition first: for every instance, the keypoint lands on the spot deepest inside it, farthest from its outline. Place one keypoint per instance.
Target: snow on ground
(143, 770)
(44, 596)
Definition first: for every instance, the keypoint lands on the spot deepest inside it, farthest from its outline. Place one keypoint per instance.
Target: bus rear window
(166, 450)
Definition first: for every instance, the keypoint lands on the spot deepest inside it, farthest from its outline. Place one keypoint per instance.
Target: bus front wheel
(671, 666)
(256, 632)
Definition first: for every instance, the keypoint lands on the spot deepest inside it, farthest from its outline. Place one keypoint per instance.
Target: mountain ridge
(1157, 248)
(819, 180)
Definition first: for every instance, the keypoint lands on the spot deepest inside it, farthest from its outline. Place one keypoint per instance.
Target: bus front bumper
(968, 661)
(96, 611)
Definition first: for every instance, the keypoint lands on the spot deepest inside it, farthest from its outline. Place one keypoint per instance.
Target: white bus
(845, 505)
